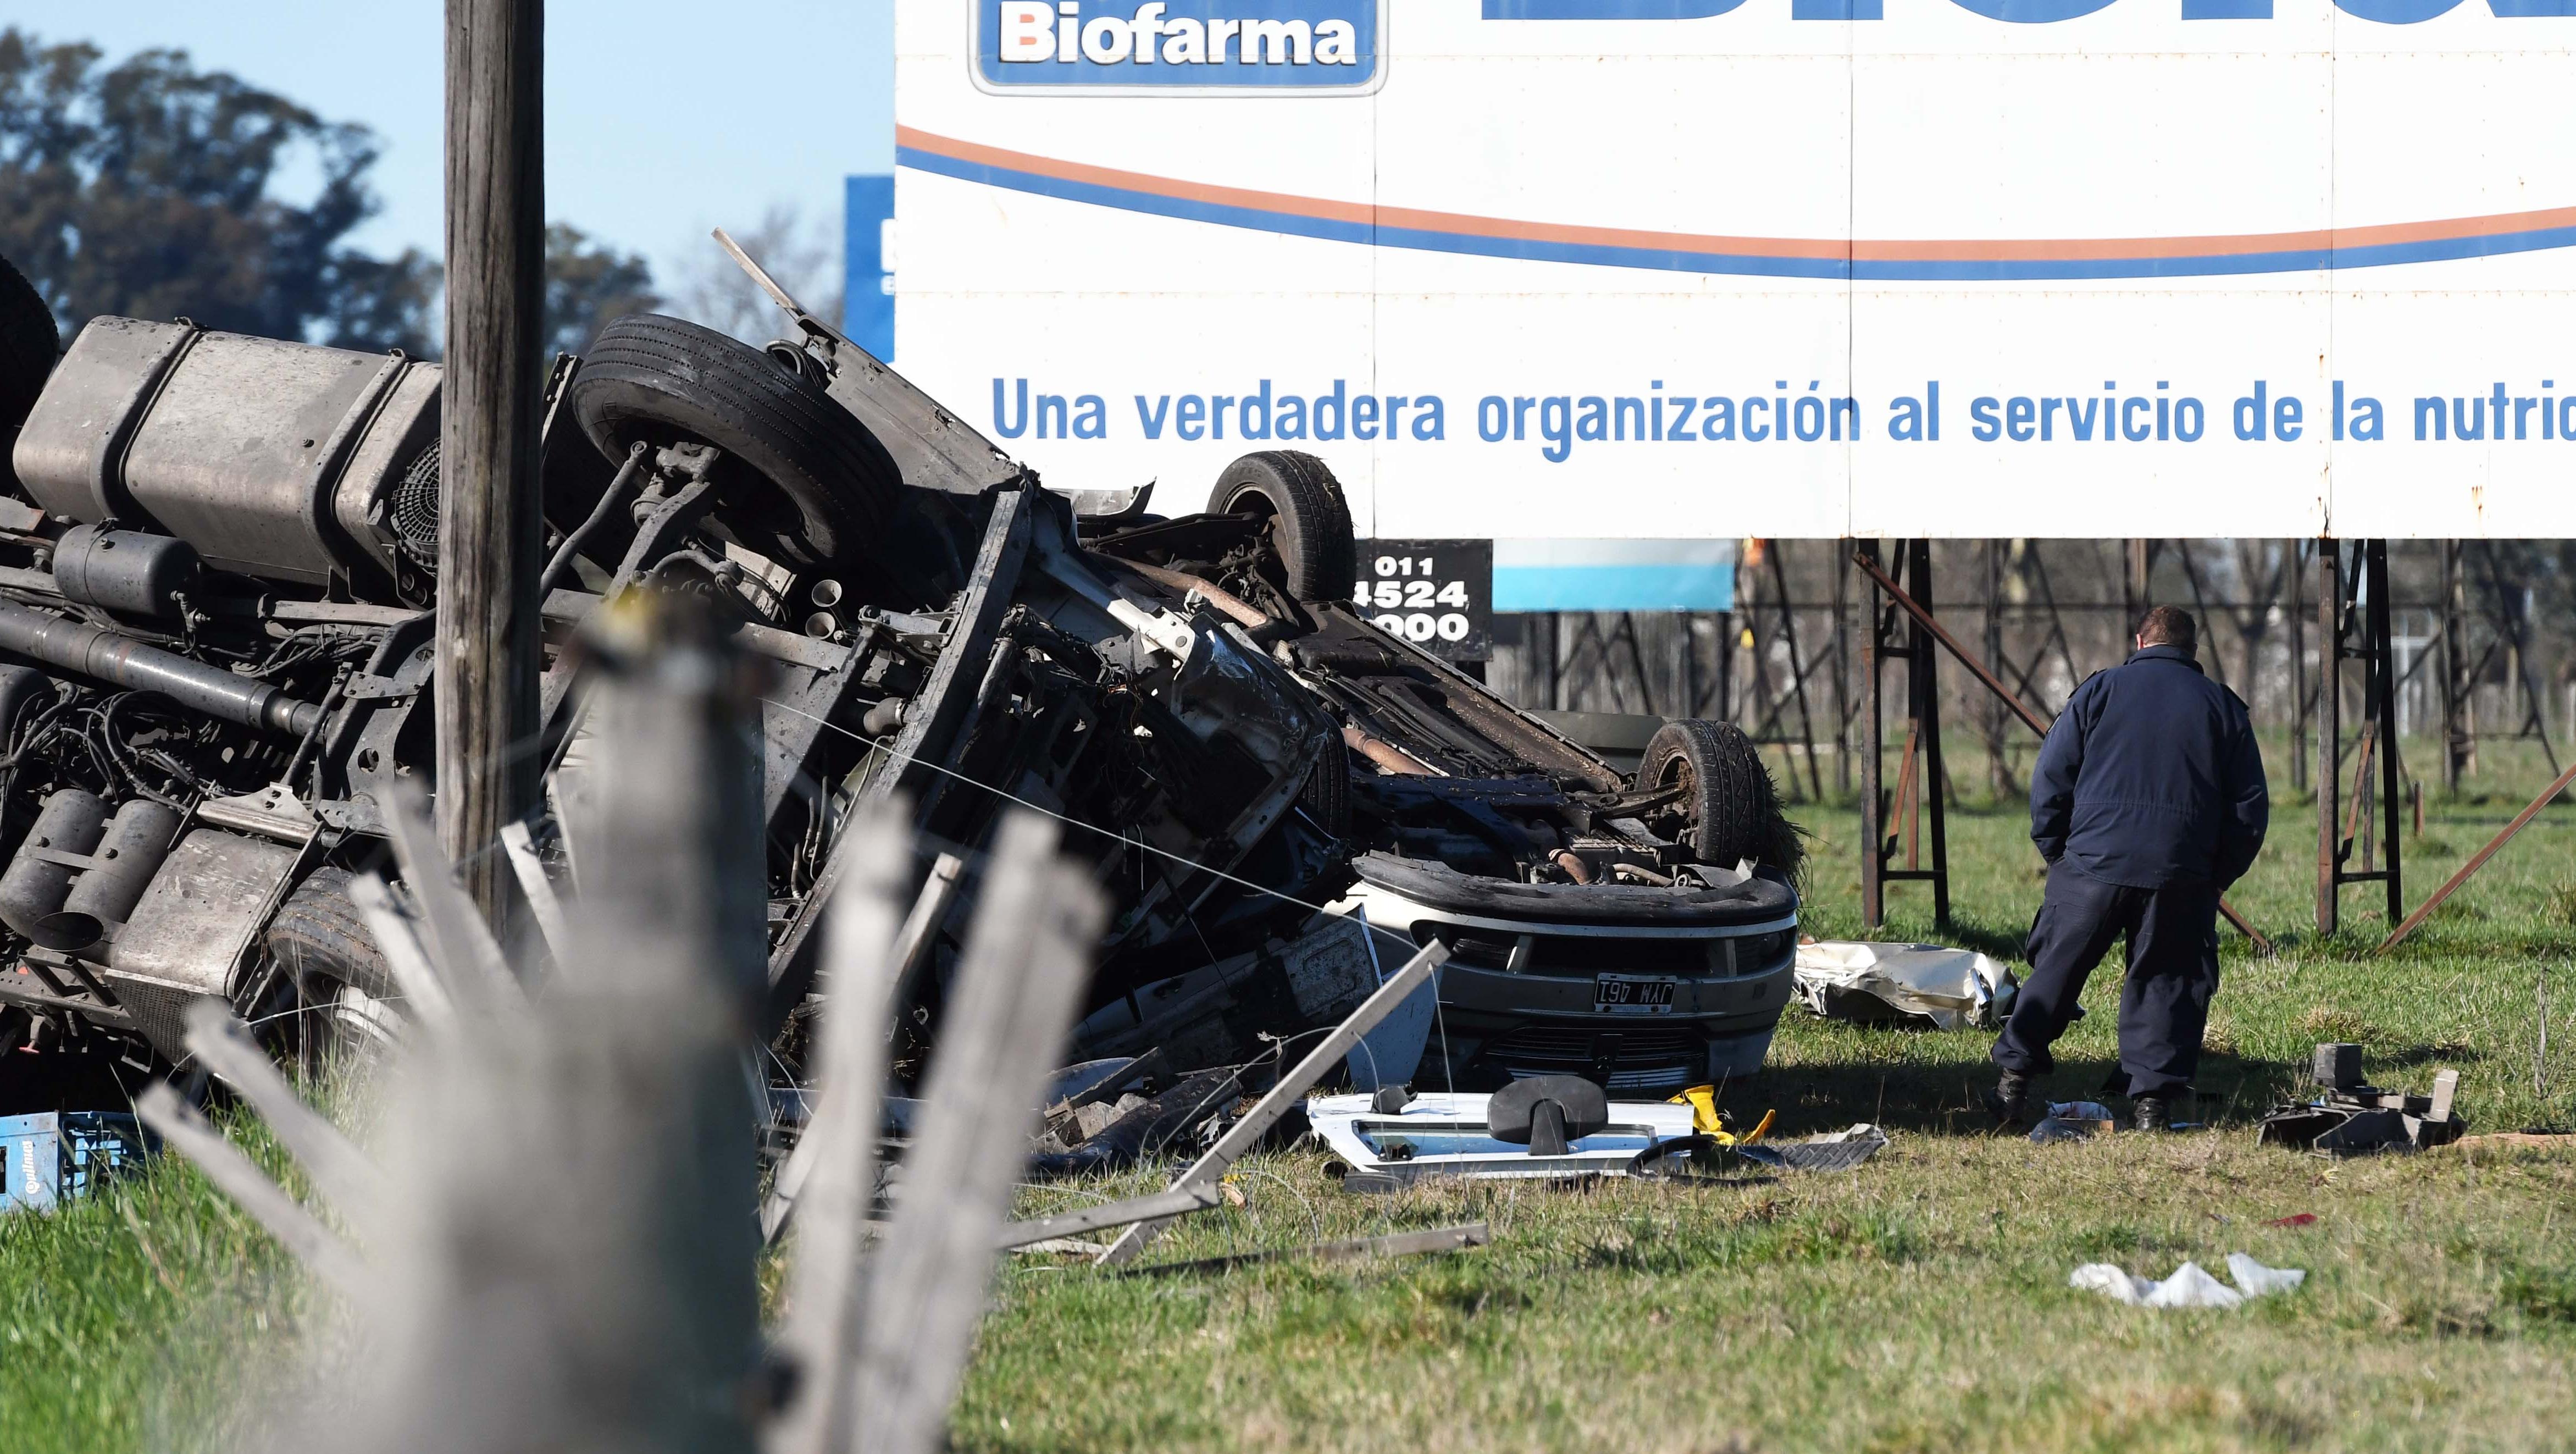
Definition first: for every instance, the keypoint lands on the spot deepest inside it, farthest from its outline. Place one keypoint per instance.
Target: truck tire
(321, 941)
(29, 344)
(348, 995)
(1309, 522)
(1731, 807)
(665, 381)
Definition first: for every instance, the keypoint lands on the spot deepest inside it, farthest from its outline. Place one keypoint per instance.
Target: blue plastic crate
(49, 1159)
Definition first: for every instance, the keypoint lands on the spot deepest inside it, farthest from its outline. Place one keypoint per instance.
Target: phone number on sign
(1404, 599)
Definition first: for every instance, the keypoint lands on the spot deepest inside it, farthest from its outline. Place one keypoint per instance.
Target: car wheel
(1327, 795)
(1731, 807)
(29, 344)
(1309, 522)
(665, 381)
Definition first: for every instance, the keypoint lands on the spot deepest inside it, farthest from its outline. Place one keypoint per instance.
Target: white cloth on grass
(2190, 1286)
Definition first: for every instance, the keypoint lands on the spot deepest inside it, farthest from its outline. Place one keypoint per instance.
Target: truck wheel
(322, 943)
(29, 343)
(666, 381)
(1731, 808)
(1309, 523)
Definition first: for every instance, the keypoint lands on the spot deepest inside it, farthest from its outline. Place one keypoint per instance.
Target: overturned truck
(218, 560)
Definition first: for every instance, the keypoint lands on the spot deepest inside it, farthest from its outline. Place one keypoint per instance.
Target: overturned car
(1635, 930)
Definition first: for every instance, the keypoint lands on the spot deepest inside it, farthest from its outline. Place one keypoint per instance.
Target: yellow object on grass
(1708, 1121)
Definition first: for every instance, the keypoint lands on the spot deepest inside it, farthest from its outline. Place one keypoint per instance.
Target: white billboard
(1717, 268)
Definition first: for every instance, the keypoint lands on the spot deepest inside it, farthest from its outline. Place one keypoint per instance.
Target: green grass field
(1918, 1303)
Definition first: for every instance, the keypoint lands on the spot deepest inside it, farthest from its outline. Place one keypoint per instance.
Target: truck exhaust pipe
(109, 656)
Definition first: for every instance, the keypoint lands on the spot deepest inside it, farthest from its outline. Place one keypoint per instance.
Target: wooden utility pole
(490, 521)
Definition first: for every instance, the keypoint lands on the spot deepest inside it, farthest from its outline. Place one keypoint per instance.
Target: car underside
(1634, 929)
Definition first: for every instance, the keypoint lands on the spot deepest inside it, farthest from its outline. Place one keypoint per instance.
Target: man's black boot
(2004, 1102)
(2153, 1113)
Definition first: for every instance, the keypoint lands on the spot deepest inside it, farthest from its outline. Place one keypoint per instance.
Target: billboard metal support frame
(1867, 559)
(2353, 625)
(1912, 577)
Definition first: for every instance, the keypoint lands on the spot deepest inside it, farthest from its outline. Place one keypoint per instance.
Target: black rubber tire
(1327, 794)
(1310, 522)
(322, 942)
(29, 344)
(1732, 805)
(666, 380)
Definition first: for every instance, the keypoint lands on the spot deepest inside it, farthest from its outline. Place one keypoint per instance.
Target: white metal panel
(2120, 205)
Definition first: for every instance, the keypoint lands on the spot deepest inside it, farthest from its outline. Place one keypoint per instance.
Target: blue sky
(663, 118)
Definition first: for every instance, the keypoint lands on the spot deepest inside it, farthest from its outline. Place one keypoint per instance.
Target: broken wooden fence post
(1026, 960)
(574, 1257)
(834, 1168)
(339, 1170)
(911, 949)
(569, 1235)
(238, 1177)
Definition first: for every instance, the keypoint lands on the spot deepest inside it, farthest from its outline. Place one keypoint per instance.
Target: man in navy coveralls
(2147, 802)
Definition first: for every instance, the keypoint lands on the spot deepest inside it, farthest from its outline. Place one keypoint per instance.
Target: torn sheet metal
(1441, 1134)
(1953, 989)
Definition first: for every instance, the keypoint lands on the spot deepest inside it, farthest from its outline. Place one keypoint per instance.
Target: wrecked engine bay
(217, 568)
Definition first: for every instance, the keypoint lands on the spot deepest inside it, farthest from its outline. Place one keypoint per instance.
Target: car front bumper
(1523, 994)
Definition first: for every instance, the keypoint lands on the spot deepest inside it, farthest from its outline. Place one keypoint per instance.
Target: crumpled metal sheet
(1952, 988)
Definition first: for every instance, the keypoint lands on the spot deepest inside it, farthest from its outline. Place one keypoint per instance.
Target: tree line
(148, 188)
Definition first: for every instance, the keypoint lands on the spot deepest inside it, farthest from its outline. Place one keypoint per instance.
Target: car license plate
(1633, 994)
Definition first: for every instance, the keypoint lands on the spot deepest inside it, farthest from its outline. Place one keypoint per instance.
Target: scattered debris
(1831, 1151)
(1053, 1231)
(2074, 1121)
(49, 1159)
(1150, 1127)
(2255, 1280)
(2190, 1286)
(1709, 1121)
(1290, 1091)
(1313, 975)
(2355, 1119)
(1950, 989)
(1444, 1134)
